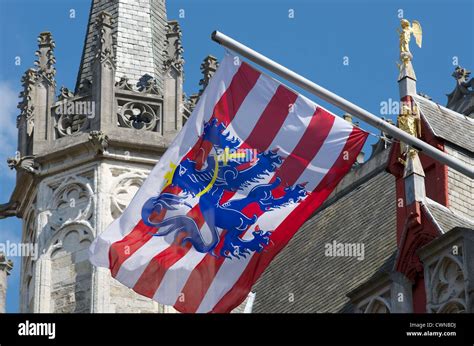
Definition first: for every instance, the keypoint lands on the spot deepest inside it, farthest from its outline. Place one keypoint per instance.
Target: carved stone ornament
(70, 124)
(45, 54)
(26, 104)
(65, 93)
(5, 264)
(72, 201)
(70, 239)
(104, 51)
(448, 286)
(99, 140)
(137, 115)
(125, 189)
(378, 305)
(461, 99)
(147, 84)
(24, 163)
(124, 84)
(173, 51)
(208, 69)
(189, 104)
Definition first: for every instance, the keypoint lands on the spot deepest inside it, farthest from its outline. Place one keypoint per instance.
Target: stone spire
(5, 268)
(407, 80)
(38, 94)
(208, 69)
(139, 33)
(414, 177)
(46, 59)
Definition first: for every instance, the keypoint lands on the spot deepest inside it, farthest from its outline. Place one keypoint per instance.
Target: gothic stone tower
(82, 155)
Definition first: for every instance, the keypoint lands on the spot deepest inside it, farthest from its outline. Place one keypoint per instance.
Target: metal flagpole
(342, 103)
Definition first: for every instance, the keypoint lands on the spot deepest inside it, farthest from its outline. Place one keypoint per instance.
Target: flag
(253, 162)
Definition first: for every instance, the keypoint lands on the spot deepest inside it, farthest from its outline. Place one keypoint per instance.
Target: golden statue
(410, 122)
(405, 35)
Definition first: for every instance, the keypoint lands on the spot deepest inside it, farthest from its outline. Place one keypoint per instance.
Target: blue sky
(315, 43)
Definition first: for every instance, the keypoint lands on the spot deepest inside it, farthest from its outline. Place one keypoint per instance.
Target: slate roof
(447, 124)
(446, 218)
(364, 213)
(139, 33)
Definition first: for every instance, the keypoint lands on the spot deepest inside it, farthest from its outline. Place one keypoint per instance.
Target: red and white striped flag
(252, 163)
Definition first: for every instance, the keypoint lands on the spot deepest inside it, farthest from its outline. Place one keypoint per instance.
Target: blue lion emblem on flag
(208, 176)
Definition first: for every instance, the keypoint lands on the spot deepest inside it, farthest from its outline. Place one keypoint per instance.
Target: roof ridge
(447, 124)
(444, 108)
(445, 208)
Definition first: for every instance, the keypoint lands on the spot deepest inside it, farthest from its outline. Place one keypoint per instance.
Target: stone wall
(61, 224)
(125, 300)
(71, 279)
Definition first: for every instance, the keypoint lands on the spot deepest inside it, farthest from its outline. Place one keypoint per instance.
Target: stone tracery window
(447, 286)
(72, 201)
(72, 116)
(377, 304)
(139, 116)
